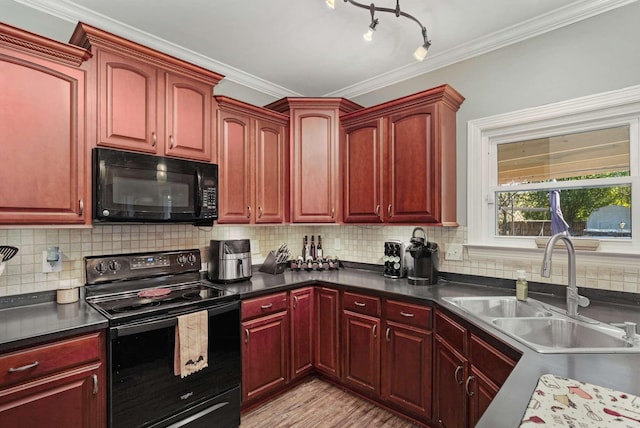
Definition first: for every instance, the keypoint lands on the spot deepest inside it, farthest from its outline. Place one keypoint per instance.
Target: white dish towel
(192, 343)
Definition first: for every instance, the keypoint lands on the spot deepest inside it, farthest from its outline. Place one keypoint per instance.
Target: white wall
(596, 55)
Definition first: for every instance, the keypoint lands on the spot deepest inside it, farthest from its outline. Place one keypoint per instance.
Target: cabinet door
(413, 185)
(264, 355)
(270, 172)
(314, 168)
(480, 391)
(450, 403)
(70, 399)
(234, 162)
(129, 111)
(301, 311)
(327, 338)
(42, 120)
(361, 352)
(188, 118)
(362, 193)
(406, 368)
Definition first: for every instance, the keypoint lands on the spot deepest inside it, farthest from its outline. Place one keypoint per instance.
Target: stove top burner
(134, 306)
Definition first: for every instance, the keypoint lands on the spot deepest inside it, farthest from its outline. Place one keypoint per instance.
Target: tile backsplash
(354, 243)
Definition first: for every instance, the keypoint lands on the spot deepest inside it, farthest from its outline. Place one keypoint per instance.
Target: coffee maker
(229, 260)
(421, 260)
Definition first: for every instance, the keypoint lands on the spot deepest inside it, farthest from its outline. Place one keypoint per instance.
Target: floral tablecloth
(562, 402)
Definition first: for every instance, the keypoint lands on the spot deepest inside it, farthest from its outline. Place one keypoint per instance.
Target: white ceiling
(303, 48)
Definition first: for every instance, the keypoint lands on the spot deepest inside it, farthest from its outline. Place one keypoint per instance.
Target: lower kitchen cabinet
(327, 332)
(361, 348)
(302, 320)
(468, 373)
(265, 350)
(57, 385)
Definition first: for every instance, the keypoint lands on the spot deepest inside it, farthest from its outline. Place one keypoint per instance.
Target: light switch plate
(454, 252)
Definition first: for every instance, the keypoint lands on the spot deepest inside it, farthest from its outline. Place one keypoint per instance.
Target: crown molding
(558, 18)
(574, 12)
(71, 12)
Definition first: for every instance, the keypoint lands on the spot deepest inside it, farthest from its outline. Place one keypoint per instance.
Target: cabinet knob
(466, 386)
(389, 210)
(458, 370)
(154, 139)
(171, 141)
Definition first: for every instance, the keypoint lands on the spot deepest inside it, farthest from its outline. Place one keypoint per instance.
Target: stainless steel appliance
(394, 259)
(422, 260)
(229, 260)
(134, 187)
(142, 295)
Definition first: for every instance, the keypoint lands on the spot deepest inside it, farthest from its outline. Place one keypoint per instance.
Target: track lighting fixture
(420, 53)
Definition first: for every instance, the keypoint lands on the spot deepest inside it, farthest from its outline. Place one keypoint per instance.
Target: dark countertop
(23, 326)
(616, 371)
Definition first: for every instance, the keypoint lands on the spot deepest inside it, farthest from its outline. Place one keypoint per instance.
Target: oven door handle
(128, 330)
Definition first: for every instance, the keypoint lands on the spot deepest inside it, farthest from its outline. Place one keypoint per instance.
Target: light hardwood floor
(315, 403)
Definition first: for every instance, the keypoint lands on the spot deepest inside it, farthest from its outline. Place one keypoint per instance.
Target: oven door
(144, 391)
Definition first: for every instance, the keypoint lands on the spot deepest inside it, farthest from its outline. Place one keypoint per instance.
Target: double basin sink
(545, 328)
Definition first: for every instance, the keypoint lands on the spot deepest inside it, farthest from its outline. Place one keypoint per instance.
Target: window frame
(609, 109)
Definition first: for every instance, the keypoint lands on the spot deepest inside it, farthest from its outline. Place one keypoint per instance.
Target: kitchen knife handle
(23, 368)
(466, 386)
(458, 381)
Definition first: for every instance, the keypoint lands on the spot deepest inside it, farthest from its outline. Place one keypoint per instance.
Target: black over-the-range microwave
(134, 187)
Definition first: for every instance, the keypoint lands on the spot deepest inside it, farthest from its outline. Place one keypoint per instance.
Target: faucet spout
(573, 298)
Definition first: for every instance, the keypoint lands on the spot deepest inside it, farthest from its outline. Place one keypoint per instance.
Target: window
(568, 166)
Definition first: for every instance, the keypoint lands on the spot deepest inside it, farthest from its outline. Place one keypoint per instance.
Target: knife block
(270, 265)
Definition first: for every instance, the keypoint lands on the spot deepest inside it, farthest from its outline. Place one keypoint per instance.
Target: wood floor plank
(315, 403)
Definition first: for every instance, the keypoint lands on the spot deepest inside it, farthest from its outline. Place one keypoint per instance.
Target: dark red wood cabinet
(252, 155)
(327, 332)
(361, 352)
(43, 120)
(301, 305)
(66, 389)
(399, 160)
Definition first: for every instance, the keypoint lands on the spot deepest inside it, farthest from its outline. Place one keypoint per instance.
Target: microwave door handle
(198, 192)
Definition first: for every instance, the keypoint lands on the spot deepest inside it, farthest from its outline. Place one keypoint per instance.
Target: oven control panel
(115, 267)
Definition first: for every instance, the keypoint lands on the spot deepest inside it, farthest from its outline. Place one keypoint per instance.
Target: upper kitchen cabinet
(252, 157)
(314, 158)
(399, 160)
(43, 167)
(145, 100)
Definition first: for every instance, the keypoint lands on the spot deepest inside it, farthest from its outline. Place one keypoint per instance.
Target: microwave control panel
(209, 202)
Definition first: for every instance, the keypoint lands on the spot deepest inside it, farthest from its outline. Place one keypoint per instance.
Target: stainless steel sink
(545, 328)
(501, 306)
(555, 334)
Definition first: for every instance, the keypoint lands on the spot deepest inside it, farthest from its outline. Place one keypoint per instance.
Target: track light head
(369, 34)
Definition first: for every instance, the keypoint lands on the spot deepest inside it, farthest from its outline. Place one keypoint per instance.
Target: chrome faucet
(573, 298)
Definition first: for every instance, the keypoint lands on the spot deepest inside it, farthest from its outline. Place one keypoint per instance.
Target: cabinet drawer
(493, 363)
(362, 304)
(406, 313)
(264, 305)
(43, 360)
(452, 332)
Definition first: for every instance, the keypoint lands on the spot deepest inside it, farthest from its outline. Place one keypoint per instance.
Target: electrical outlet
(454, 252)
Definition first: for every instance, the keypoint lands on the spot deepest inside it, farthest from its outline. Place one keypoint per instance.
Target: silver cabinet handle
(378, 210)
(260, 211)
(375, 327)
(249, 208)
(266, 306)
(246, 335)
(154, 139)
(171, 141)
(333, 212)
(81, 207)
(389, 210)
(95, 384)
(295, 302)
(23, 368)
(406, 314)
(466, 386)
(387, 334)
(458, 381)
(362, 305)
